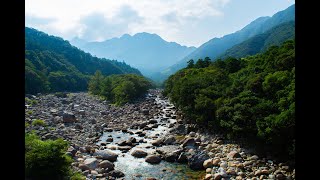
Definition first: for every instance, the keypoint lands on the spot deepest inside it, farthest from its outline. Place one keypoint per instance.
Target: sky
(187, 22)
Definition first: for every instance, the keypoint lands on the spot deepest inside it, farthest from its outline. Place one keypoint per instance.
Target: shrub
(38, 122)
(46, 159)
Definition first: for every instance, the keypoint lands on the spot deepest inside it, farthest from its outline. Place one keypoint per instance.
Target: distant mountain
(217, 46)
(53, 64)
(148, 52)
(259, 43)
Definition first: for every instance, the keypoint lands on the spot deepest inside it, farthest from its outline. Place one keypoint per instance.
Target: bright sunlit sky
(187, 22)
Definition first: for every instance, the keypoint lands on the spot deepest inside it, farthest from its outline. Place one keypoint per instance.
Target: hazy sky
(187, 22)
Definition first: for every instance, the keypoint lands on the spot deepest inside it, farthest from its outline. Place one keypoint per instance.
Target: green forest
(119, 89)
(53, 64)
(251, 98)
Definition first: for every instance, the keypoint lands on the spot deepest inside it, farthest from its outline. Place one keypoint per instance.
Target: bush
(77, 176)
(46, 159)
(38, 122)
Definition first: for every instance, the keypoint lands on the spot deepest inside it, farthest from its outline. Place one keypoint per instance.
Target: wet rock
(208, 176)
(196, 160)
(182, 158)
(106, 165)
(139, 153)
(116, 174)
(189, 142)
(153, 159)
(83, 167)
(215, 162)
(124, 148)
(192, 134)
(153, 121)
(169, 140)
(157, 142)
(106, 155)
(109, 139)
(217, 176)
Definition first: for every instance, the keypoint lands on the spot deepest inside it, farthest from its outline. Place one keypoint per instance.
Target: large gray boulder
(106, 155)
(68, 117)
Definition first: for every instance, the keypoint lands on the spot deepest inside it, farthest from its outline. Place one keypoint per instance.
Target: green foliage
(252, 97)
(77, 176)
(46, 159)
(38, 122)
(119, 89)
(52, 64)
(30, 102)
(29, 112)
(26, 124)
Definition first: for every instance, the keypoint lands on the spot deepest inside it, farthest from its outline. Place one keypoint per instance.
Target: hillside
(259, 43)
(53, 64)
(216, 46)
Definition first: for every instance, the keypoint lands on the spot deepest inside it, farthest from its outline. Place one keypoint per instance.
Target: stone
(68, 117)
(223, 172)
(116, 174)
(189, 142)
(83, 167)
(195, 162)
(182, 158)
(217, 176)
(157, 142)
(208, 176)
(233, 154)
(215, 162)
(192, 134)
(82, 112)
(110, 139)
(139, 153)
(169, 140)
(247, 163)
(208, 170)
(254, 157)
(153, 159)
(261, 172)
(106, 155)
(153, 121)
(171, 157)
(78, 126)
(231, 172)
(223, 165)
(207, 163)
(106, 165)
(132, 140)
(92, 163)
(93, 172)
(124, 148)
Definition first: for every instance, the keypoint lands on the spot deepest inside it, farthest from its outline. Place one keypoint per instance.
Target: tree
(190, 63)
(95, 83)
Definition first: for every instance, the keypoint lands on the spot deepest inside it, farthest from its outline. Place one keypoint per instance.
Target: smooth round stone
(223, 165)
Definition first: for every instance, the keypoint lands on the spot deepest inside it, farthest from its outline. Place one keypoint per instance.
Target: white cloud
(98, 20)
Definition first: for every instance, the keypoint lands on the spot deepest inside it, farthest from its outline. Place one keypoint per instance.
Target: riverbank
(144, 140)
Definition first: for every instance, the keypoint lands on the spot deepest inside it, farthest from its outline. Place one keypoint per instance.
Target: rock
(171, 157)
(207, 163)
(124, 148)
(153, 121)
(182, 158)
(188, 142)
(68, 117)
(122, 143)
(83, 167)
(82, 112)
(197, 159)
(157, 142)
(93, 172)
(139, 153)
(78, 126)
(208, 170)
(247, 163)
(231, 172)
(106, 155)
(169, 140)
(222, 172)
(153, 159)
(254, 157)
(110, 139)
(132, 140)
(192, 134)
(143, 125)
(215, 162)
(145, 111)
(217, 176)
(116, 174)
(261, 172)
(106, 165)
(280, 176)
(151, 178)
(223, 165)
(208, 176)
(233, 154)
(92, 163)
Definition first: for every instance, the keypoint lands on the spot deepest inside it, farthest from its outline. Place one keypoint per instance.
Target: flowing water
(137, 168)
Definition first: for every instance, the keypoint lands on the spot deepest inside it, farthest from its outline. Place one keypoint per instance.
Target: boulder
(153, 159)
(233, 154)
(106, 155)
(139, 153)
(68, 117)
(197, 159)
(169, 140)
(92, 163)
(106, 165)
(116, 174)
(207, 163)
(189, 142)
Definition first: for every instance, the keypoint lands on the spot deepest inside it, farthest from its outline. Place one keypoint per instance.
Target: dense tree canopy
(119, 89)
(52, 64)
(252, 97)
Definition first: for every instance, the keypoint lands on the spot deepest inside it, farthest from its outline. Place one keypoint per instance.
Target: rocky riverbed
(147, 139)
